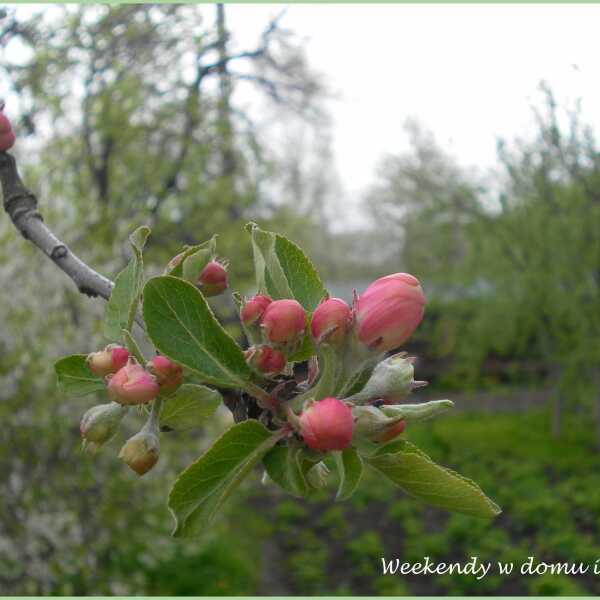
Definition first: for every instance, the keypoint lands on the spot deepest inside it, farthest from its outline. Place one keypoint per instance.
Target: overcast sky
(469, 73)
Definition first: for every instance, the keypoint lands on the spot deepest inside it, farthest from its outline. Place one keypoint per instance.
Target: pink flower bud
(132, 385)
(7, 135)
(267, 360)
(331, 320)
(283, 321)
(327, 425)
(168, 374)
(141, 451)
(212, 280)
(108, 361)
(389, 310)
(253, 309)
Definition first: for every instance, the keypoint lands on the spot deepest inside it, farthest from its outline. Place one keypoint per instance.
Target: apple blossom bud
(389, 310)
(391, 380)
(212, 280)
(283, 321)
(266, 360)
(253, 309)
(331, 320)
(7, 135)
(108, 361)
(327, 425)
(370, 423)
(168, 374)
(141, 451)
(100, 424)
(132, 384)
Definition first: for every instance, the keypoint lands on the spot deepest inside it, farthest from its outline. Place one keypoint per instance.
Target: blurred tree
(137, 114)
(517, 274)
(143, 107)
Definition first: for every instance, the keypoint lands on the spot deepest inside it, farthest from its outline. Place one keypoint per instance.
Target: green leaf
(350, 468)
(189, 407)
(207, 483)
(288, 466)
(415, 413)
(125, 296)
(75, 378)
(329, 364)
(414, 472)
(355, 381)
(283, 270)
(182, 326)
(138, 240)
(306, 349)
(177, 270)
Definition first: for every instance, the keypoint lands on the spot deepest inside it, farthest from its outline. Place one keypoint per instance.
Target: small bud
(327, 425)
(391, 380)
(141, 451)
(331, 320)
(212, 281)
(253, 309)
(370, 423)
(391, 432)
(7, 135)
(283, 321)
(266, 360)
(132, 385)
(389, 310)
(168, 374)
(108, 361)
(100, 424)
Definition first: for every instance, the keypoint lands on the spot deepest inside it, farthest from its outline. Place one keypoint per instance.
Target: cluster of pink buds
(7, 135)
(134, 384)
(382, 318)
(278, 324)
(128, 383)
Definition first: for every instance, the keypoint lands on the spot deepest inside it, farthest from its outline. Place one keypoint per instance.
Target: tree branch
(21, 206)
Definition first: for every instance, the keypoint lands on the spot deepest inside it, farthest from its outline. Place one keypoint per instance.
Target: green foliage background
(122, 134)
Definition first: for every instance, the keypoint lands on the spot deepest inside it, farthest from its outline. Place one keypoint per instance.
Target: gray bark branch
(21, 206)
